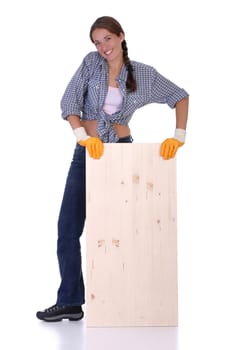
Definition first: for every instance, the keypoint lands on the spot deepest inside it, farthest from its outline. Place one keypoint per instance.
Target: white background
(42, 44)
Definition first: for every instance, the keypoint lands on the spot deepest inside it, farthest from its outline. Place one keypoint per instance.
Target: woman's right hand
(94, 146)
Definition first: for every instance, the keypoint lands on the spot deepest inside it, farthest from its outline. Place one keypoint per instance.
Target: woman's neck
(115, 65)
(114, 70)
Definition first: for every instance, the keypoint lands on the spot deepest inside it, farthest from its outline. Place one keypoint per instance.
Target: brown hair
(113, 26)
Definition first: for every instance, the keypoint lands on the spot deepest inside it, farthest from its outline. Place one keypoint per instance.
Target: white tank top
(113, 101)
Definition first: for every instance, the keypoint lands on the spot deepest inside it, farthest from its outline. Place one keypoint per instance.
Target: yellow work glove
(94, 146)
(170, 146)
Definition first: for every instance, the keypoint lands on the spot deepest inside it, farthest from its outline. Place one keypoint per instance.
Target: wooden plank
(131, 238)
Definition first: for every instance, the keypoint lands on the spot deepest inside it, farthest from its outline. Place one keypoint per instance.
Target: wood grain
(131, 238)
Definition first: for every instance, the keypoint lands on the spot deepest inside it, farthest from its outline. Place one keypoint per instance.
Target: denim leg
(70, 227)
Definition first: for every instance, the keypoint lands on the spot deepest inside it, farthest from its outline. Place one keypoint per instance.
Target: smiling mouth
(108, 52)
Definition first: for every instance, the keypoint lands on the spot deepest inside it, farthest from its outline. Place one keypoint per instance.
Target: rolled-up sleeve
(73, 98)
(165, 91)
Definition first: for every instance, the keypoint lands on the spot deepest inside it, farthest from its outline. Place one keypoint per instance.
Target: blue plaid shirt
(86, 92)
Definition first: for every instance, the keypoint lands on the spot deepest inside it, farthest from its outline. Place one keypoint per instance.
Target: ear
(122, 37)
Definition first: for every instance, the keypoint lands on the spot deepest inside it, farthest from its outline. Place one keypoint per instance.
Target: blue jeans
(70, 227)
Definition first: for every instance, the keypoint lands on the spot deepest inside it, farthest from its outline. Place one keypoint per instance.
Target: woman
(98, 103)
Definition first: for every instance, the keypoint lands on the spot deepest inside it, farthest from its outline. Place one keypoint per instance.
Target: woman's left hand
(169, 148)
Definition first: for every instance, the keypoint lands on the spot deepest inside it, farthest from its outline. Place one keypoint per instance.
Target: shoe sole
(70, 317)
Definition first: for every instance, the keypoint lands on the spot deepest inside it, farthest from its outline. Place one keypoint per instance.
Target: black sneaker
(59, 312)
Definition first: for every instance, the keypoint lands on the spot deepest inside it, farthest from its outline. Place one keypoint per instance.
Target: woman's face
(108, 44)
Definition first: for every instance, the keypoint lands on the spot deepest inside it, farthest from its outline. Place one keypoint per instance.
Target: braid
(131, 82)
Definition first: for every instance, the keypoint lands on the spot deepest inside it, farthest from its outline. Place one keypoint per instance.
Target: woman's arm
(170, 146)
(182, 113)
(74, 121)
